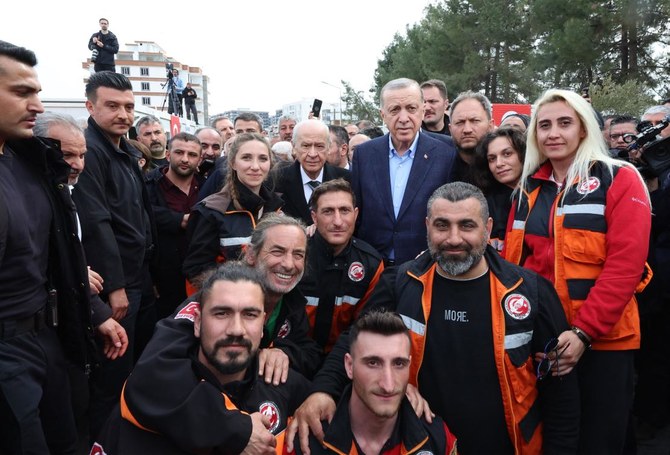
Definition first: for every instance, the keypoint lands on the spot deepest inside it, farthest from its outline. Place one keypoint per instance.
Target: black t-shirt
(458, 376)
(23, 267)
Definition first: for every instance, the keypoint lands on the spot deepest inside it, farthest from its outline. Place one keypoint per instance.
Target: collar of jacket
(44, 154)
(124, 147)
(323, 248)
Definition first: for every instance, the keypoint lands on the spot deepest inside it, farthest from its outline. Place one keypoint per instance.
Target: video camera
(655, 152)
(169, 67)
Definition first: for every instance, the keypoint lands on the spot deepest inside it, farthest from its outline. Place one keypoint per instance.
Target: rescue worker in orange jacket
(224, 406)
(476, 322)
(583, 222)
(341, 269)
(374, 415)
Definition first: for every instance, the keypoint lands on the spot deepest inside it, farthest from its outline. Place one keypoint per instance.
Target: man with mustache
(116, 221)
(227, 408)
(277, 251)
(435, 105)
(173, 190)
(476, 322)
(471, 119)
(150, 132)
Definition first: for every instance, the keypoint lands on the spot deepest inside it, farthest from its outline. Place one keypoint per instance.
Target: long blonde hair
(591, 148)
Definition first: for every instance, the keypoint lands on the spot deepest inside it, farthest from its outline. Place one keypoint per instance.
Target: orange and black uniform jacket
(599, 236)
(212, 418)
(337, 287)
(411, 435)
(540, 417)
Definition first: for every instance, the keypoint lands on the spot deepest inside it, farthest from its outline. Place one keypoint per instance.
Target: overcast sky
(258, 54)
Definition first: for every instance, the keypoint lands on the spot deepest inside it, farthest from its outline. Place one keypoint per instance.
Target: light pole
(339, 89)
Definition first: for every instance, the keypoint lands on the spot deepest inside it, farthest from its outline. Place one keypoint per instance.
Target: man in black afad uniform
(477, 324)
(106, 45)
(227, 408)
(116, 223)
(374, 415)
(45, 312)
(277, 250)
(341, 269)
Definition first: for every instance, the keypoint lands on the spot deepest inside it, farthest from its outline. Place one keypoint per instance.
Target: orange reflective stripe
(371, 287)
(127, 415)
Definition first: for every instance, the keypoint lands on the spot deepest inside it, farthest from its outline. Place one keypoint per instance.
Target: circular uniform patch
(356, 271)
(284, 330)
(589, 185)
(270, 410)
(517, 306)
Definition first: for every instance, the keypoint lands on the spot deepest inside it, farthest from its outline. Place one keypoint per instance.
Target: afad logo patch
(270, 410)
(188, 312)
(356, 271)
(517, 306)
(589, 185)
(97, 450)
(284, 330)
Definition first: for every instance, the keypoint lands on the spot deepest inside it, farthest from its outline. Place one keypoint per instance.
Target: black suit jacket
(288, 185)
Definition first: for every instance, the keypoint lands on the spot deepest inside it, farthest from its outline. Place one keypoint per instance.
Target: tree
(630, 97)
(513, 50)
(357, 107)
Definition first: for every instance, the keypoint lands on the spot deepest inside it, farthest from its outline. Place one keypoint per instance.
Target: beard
(456, 266)
(233, 364)
(179, 171)
(157, 149)
(271, 285)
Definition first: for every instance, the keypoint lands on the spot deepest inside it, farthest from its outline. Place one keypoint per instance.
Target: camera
(169, 67)
(655, 151)
(94, 55)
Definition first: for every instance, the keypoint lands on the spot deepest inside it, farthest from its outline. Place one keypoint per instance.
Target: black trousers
(606, 386)
(103, 67)
(190, 108)
(35, 407)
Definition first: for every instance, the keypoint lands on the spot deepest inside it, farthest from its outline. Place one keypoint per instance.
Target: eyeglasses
(546, 364)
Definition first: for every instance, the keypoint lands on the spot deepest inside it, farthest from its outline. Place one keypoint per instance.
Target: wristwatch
(582, 336)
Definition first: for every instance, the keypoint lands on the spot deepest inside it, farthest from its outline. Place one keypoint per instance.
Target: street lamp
(339, 89)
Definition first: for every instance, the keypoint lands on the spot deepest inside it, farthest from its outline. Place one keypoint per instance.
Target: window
(125, 70)
(144, 71)
(145, 86)
(146, 100)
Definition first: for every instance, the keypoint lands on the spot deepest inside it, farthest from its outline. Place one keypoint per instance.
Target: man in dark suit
(311, 141)
(394, 175)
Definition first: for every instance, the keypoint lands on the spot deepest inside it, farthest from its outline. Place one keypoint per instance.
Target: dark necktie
(314, 183)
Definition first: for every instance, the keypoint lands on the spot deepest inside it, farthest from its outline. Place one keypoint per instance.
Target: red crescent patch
(589, 185)
(517, 306)
(356, 271)
(97, 450)
(270, 410)
(284, 330)
(188, 312)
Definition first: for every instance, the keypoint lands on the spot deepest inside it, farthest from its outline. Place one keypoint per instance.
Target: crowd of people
(451, 285)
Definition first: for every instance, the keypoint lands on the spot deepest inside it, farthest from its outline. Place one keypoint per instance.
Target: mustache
(233, 341)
